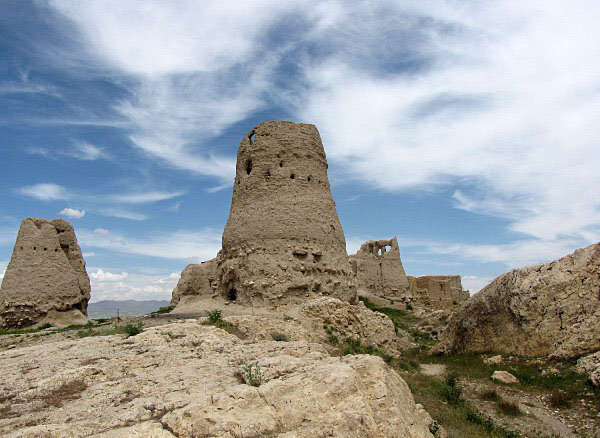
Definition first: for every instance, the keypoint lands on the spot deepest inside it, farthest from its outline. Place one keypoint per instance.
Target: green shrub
(214, 316)
(287, 318)
(280, 337)
(133, 329)
(45, 326)
(409, 306)
(450, 390)
(252, 375)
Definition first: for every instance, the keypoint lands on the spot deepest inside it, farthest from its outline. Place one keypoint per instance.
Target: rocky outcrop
(283, 242)
(545, 310)
(46, 280)
(379, 269)
(196, 280)
(437, 291)
(190, 380)
(590, 365)
(355, 321)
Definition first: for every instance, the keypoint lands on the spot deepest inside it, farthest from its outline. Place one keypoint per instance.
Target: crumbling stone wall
(283, 240)
(379, 269)
(437, 291)
(46, 277)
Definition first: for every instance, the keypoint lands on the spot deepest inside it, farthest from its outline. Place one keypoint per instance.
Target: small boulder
(504, 377)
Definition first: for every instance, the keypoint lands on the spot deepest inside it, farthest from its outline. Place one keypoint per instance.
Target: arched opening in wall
(281, 164)
(309, 178)
(65, 248)
(232, 294)
(251, 137)
(249, 166)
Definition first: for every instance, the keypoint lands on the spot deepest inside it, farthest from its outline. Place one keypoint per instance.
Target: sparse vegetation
(508, 407)
(252, 375)
(133, 329)
(560, 399)
(67, 391)
(450, 390)
(214, 316)
(490, 395)
(280, 337)
(287, 318)
(163, 310)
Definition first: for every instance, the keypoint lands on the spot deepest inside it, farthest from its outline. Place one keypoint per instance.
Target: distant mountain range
(109, 308)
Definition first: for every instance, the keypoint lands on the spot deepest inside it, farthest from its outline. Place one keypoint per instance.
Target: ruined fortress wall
(46, 275)
(438, 291)
(379, 269)
(283, 239)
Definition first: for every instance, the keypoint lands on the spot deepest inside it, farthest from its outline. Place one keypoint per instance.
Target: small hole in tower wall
(292, 176)
(309, 178)
(251, 137)
(281, 164)
(232, 294)
(248, 166)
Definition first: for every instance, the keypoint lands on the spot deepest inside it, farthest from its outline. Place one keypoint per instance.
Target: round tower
(283, 240)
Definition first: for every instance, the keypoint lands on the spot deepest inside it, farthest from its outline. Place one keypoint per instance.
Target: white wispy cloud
(504, 104)
(72, 213)
(82, 150)
(45, 192)
(184, 244)
(101, 276)
(122, 214)
(133, 286)
(144, 197)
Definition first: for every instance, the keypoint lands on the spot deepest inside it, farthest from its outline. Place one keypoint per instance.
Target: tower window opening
(309, 178)
(281, 164)
(251, 137)
(232, 294)
(249, 166)
(292, 176)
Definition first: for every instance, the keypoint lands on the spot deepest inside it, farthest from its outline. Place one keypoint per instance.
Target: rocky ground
(308, 371)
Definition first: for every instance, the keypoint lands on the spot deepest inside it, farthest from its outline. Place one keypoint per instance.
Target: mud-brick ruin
(437, 291)
(379, 269)
(283, 241)
(46, 280)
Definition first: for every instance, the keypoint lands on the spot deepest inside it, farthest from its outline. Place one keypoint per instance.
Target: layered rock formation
(437, 291)
(283, 241)
(46, 280)
(545, 310)
(379, 270)
(190, 380)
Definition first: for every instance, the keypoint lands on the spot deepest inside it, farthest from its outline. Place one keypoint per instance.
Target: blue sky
(470, 130)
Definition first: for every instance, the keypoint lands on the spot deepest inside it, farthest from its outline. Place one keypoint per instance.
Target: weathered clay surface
(437, 291)
(46, 280)
(379, 270)
(283, 241)
(545, 310)
(183, 380)
(196, 280)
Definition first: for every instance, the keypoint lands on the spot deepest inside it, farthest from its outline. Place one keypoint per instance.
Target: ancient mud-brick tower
(46, 280)
(283, 240)
(379, 269)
